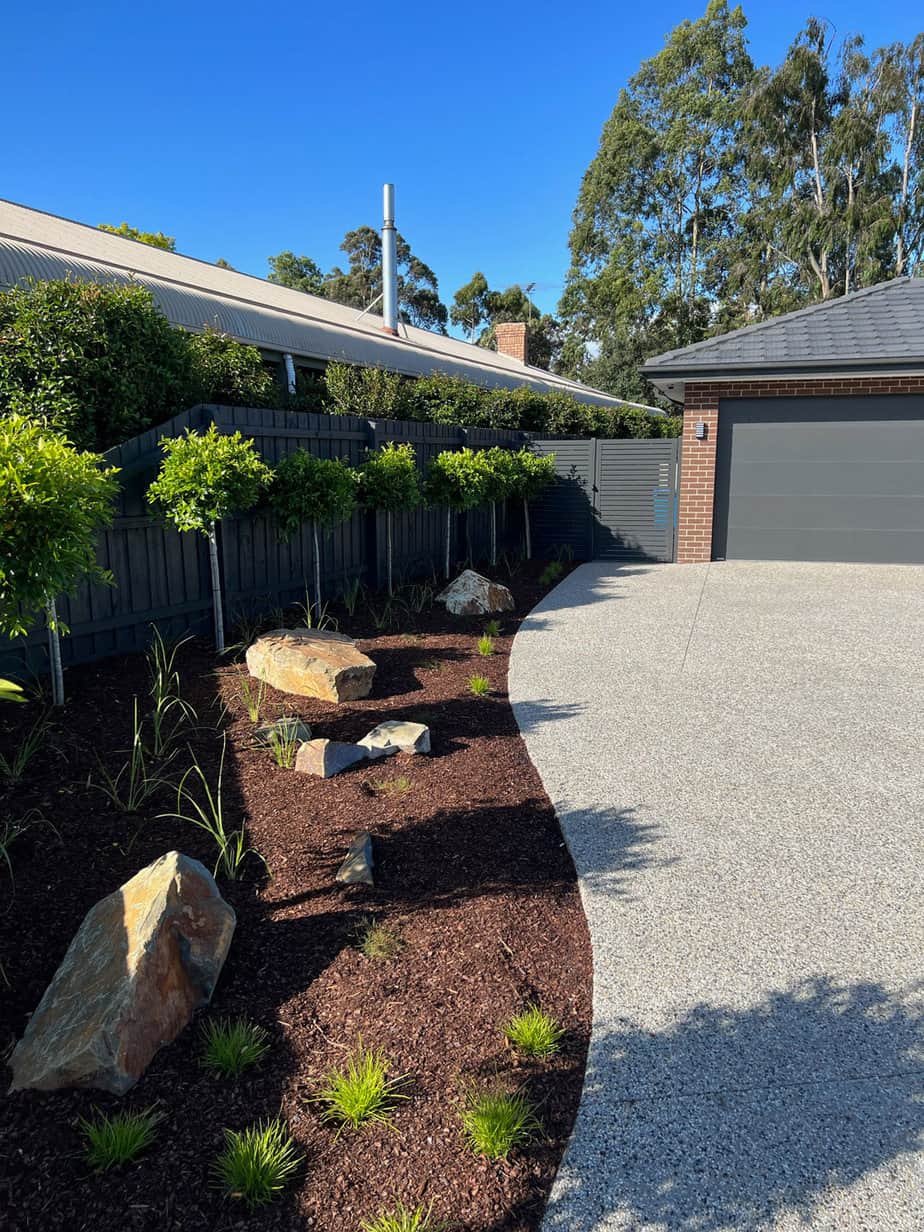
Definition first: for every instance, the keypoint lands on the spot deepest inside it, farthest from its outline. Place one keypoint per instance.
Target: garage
(803, 434)
(825, 479)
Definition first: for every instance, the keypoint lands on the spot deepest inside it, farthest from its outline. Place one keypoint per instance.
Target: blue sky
(247, 129)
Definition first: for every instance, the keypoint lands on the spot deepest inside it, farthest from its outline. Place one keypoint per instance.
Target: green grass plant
(252, 693)
(534, 1033)
(494, 1122)
(403, 1218)
(480, 686)
(120, 1138)
(13, 767)
(257, 1163)
(376, 940)
(486, 645)
(231, 1046)
(360, 1091)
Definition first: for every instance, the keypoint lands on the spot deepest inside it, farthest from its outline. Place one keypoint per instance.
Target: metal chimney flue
(389, 264)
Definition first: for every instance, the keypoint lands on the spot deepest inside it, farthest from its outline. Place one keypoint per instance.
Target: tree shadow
(733, 1116)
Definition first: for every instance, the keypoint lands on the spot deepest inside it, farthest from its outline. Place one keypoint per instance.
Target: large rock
(325, 758)
(356, 869)
(312, 663)
(143, 960)
(394, 736)
(473, 595)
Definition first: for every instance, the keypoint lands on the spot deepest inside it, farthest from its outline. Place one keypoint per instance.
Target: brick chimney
(511, 339)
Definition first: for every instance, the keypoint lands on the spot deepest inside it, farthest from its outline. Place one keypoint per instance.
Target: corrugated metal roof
(195, 294)
(880, 327)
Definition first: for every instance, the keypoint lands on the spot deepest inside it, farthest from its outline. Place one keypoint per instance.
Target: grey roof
(195, 294)
(878, 328)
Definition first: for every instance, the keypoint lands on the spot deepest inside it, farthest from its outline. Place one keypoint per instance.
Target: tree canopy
(477, 309)
(156, 239)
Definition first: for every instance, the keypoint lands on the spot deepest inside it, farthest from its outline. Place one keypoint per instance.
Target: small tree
(531, 475)
(499, 473)
(321, 491)
(456, 481)
(388, 483)
(203, 478)
(54, 499)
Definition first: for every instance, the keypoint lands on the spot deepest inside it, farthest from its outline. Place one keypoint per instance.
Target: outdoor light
(700, 430)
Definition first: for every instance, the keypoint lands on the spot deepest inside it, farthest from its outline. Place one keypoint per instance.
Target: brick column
(512, 340)
(697, 475)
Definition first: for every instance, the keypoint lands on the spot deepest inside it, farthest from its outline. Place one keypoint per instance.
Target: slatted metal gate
(614, 500)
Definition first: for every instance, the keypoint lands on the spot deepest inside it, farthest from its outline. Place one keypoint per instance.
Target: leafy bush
(364, 392)
(534, 1033)
(257, 1163)
(480, 686)
(230, 1047)
(360, 1091)
(119, 1139)
(404, 1219)
(228, 372)
(494, 1122)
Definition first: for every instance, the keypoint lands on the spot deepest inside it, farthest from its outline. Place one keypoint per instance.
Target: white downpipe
(54, 656)
(216, 590)
(290, 372)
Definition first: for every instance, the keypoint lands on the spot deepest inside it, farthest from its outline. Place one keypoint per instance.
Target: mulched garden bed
(471, 870)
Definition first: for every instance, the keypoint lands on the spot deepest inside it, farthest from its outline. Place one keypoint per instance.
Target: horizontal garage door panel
(821, 479)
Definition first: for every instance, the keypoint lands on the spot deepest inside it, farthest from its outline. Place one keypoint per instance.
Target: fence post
(374, 518)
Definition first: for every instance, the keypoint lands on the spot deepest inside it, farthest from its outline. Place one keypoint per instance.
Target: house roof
(195, 294)
(878, 329)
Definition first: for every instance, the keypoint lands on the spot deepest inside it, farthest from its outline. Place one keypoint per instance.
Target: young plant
(230, 1047)
(13, 767)
(320, 491)
(499, 469)
(456, 481)
(55, 499)
(203, 478)
(284, 741)
(392, 787)
(492, 628)
(132, 785)
(257, 1163)
(494, 1122)
(485, 646)
(253, 693)
(120, 1138)
(208, 815)
(351, 595)
(480, 686)
(10, 691)
(551, 573)
(388, 483)
(403, 1218)
(169, 712)
(376, 940)
(534, 1033)
(13, 828)
(530, 475)
(361, 1091)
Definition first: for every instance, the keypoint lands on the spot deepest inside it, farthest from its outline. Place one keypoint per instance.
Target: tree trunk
(317, 569)
(529, 538)
(388, 551)
(448, 539)
(54, 656)
(493, 532)
(216, 590)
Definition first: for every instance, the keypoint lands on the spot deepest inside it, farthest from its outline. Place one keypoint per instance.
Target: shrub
(479, 685)
(404, 1219)
(388, 482)
(494, 1122)
(456, 480)
(530, 475)
(228, 372)
(361, 1091)
(119, 1139)
(534, 1033)
(257, 1163)
(230, 1047)
(364, 391)
(486, 645)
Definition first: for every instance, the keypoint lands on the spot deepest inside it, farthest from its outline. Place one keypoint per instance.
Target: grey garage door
(838, 479)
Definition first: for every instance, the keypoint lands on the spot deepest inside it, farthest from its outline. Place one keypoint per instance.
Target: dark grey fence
(162, 576)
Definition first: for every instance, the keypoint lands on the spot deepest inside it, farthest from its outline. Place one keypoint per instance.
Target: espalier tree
(530, 476)
(388, 484)
(54, 499)
(320, 491)
(456, 482)
(203, 478)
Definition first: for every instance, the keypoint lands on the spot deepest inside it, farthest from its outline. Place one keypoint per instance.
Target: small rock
(312, 663)
(143, 960)
(325, 758)
(288, 728)
(356, 869)
(396, 735)
(473, 595)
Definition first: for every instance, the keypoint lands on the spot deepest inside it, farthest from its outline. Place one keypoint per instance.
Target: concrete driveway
(735, 753)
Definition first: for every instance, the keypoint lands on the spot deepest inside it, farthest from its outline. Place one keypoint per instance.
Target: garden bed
(471, 872)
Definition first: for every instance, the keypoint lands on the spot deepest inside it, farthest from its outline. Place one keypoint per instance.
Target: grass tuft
(230, 1047)
(492, 628)
(376, 940)
(361, 1091)
(534, 1033)
(551, 573)
(119, 1139)
(479, 685)
(253, 693)
(494, 1122)
(486, 645)
(392, 787)
(257, 1162)
(403, 1219)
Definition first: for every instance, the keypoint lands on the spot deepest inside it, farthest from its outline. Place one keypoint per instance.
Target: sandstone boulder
(312, 663)
(325, 758)
(143, 960)
(356, 869)
(473, 595)
(394, 736)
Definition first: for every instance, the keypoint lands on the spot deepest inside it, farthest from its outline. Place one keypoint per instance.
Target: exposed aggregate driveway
(736, 754)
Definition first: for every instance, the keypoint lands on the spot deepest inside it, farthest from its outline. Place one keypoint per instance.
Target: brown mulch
(471, 870)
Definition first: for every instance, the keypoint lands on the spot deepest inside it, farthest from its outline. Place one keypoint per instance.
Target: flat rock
(142, 962)
(312, 663)
(356, 869)
(325, 758)
(394, 736)
(288, 728)
(473, 595)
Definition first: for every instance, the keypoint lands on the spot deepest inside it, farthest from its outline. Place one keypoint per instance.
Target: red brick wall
(697, 466)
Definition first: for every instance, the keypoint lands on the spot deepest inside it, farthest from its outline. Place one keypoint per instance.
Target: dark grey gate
(614, 500)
